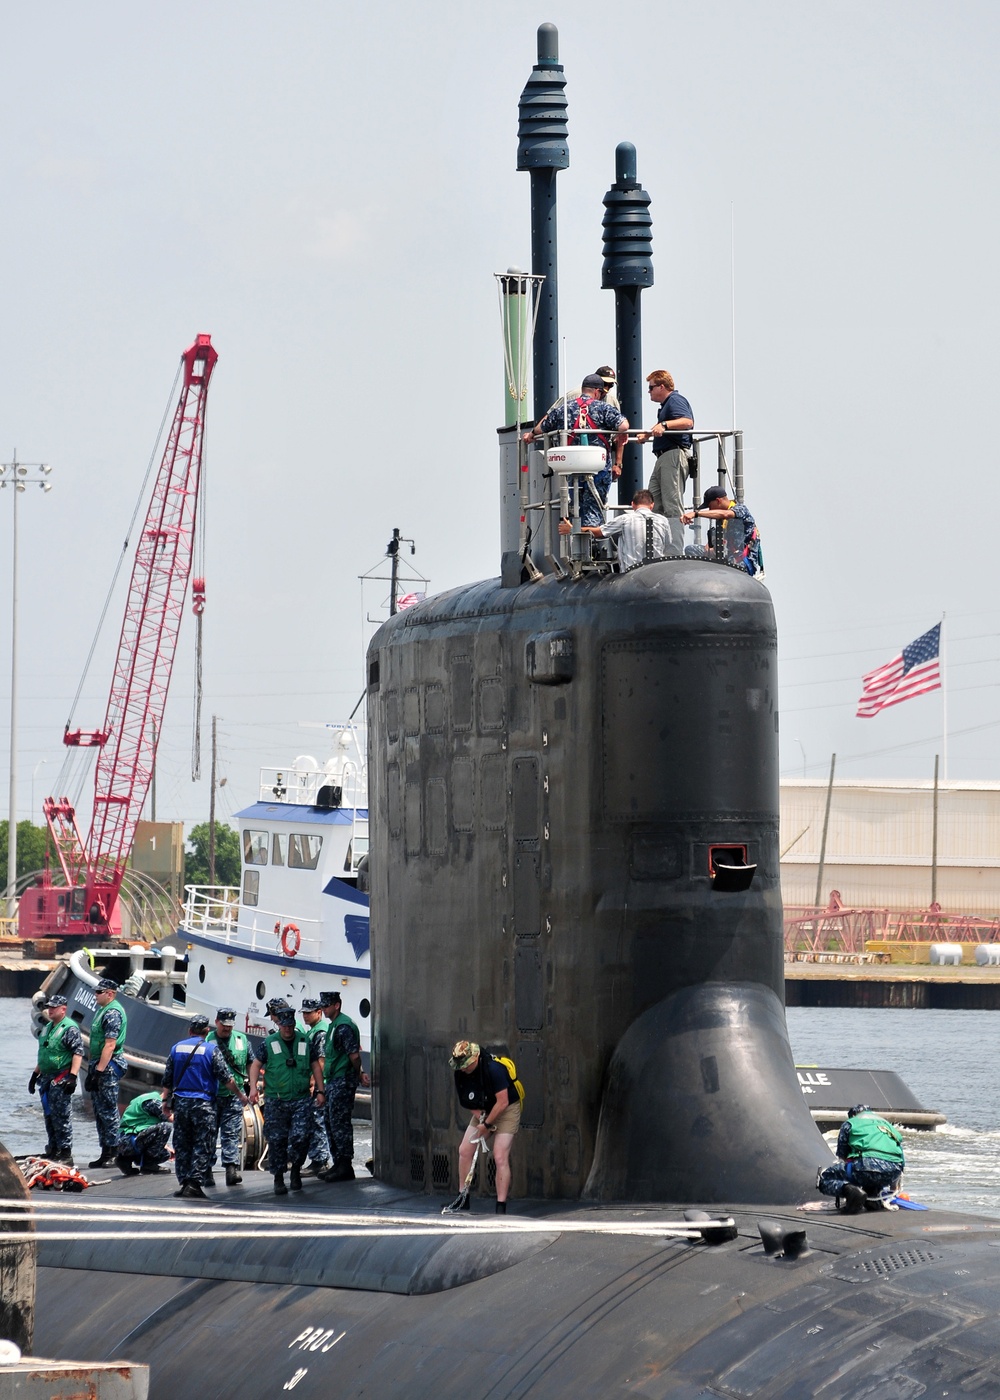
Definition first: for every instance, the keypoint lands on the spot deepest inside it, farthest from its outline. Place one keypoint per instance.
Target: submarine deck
(362, 1290)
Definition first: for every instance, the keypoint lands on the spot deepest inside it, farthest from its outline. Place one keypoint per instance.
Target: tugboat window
(303, 851)
(261, 991)
(254, 847)
(201, 973)
(278, 845)
(365, 1006)
(251, 887)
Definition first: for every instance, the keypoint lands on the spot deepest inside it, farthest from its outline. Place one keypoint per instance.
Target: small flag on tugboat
(915, 671)
(408, 600)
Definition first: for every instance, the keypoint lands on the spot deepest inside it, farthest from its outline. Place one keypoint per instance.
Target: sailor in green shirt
(291, 1066)
(145, 1131)
(871, 1161)
(107, 1065)
(60, 1051)
(235, 1050)
(343, 1074)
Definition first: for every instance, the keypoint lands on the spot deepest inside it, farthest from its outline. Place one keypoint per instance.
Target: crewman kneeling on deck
(235, 1050)
(60, 1051)
(192, 1077)
(871, 1162)
(290, 1065)
(487, 1086)
(145, 1132)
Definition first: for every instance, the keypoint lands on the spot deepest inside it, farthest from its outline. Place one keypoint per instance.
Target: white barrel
(946, 954)
(576, 461)
(988, 955)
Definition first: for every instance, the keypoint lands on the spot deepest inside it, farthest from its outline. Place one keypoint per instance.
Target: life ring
(291, 940)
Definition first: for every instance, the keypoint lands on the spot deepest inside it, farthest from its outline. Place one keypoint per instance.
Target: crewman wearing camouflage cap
(290, 1066)
(235, 1050)
(107, 1065)
(191, 1079)
(60, 1051)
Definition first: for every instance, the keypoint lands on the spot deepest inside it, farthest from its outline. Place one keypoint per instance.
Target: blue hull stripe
(251, 955)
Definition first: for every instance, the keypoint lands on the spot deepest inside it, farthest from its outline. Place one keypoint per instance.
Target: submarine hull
(880, 1305)
(556, 772)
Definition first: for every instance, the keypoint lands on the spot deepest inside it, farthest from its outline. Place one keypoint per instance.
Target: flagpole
(944, 706)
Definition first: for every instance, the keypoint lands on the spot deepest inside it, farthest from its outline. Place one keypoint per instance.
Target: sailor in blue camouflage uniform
(60, 1051)
(235, 1050)
(291, 1068)
(343, 1074)
(145, 1133)
(107, 1065)
(319, 1142)
(191, 1079)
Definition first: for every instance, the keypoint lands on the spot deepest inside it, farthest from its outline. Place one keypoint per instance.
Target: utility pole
(826, 827)
(211, 808)
(19, 475)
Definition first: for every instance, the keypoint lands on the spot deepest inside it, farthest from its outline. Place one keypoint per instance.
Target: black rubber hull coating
(551, 767)
(702, 1102)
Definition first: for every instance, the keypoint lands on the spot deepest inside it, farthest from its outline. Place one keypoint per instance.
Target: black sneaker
(233, 1177)
(344, 1173)
(501, 1208)
(126, 1166)
(295, 1179)
(280, 1189)
(209, 1179)
(106, 1159)
(151, 1170)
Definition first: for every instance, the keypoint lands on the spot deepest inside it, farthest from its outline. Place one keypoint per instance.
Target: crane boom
(146, 649)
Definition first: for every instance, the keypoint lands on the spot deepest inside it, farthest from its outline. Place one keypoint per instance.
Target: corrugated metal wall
(878, 849)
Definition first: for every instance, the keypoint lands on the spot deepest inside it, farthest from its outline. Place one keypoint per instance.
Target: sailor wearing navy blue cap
(192, 1077)
(235, 1050)
(319, 1142)
(60, 1051)
(291, 1067)
(107, 1065)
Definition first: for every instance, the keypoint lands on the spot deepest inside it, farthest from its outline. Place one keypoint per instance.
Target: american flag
(408, 600)
(914, 671)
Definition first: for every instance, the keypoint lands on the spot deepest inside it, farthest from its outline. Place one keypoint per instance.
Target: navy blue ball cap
(311, 1004)
(107, 984)
(285, 1017)
(329, 998)
(276, 1004)
(53, 1001)
(227, 1014)
(198, 1023)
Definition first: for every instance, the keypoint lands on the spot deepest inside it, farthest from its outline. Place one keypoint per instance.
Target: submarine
(574, 861)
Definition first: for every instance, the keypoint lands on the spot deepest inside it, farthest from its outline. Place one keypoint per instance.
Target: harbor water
(943, 1056)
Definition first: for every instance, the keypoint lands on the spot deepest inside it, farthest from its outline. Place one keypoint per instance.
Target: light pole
(17, 475)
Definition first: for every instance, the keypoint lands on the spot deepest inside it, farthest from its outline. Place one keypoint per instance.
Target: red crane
(87, 902)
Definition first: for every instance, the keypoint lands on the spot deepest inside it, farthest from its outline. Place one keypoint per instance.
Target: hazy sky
(327, 188)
